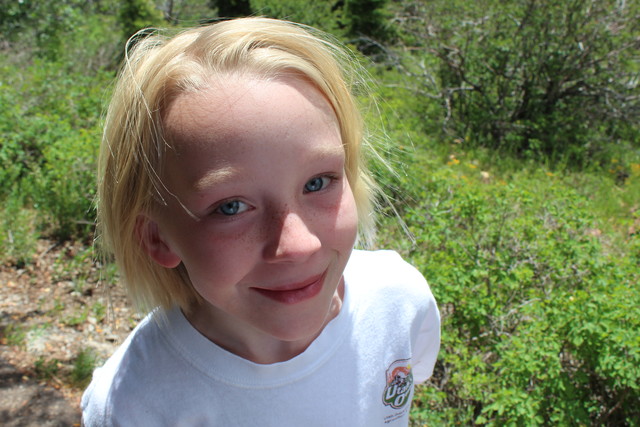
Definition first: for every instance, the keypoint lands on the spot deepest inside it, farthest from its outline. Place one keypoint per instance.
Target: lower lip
(294, 296)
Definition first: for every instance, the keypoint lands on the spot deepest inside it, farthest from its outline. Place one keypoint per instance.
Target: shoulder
(384, 269)
(395, 306)
(384, 281)
(112, 392)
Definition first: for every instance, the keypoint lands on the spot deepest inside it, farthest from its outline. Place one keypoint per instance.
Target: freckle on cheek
(247, 239)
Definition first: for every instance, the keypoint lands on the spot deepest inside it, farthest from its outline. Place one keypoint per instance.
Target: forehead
(234, 106)
(242, 124)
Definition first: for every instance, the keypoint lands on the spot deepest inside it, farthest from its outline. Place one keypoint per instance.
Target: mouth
(295, 292)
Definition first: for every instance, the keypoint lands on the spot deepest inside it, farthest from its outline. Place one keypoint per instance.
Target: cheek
(214, 257)
(347, 219)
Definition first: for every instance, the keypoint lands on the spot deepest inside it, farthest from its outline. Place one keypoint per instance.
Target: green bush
(64, 185)
(50, 135)
(539, 325)
(135, 15)
(319, 14)
(554, 79)
(18, 231)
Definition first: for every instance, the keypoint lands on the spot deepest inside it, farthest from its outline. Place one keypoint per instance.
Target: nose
(290, 239)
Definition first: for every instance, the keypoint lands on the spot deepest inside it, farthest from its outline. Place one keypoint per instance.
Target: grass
(13, 335)
(76, 373)
(83, 365)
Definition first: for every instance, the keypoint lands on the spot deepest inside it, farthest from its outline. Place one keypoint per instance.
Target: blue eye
(316, 184)
(232, 207)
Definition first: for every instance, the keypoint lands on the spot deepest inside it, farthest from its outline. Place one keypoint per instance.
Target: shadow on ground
(25, 402)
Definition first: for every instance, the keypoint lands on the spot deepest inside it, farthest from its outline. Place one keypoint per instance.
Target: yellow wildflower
(453, 160)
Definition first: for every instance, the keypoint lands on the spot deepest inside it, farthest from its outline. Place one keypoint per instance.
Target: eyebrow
(225, 173)
(330, 151)
(215, 177)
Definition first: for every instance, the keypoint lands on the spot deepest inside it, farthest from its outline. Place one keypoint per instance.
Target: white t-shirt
(359, 371)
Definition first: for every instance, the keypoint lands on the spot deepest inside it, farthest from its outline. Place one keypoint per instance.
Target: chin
(299, 331)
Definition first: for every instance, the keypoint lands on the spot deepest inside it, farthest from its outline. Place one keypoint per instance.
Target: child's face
(260, 164)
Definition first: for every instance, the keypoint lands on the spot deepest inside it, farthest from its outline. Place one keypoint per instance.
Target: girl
(231, 193)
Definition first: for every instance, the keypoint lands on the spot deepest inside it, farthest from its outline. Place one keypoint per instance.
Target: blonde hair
(155, 71)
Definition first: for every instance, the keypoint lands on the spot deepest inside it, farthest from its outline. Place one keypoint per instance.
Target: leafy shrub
(553, 79)
(18, 231)
(50, 134)
(538, 318)
(64, 185)
(135, 15)
(364, 22)
(319, 14)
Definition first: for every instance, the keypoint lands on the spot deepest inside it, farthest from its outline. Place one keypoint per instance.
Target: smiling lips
(295, 293)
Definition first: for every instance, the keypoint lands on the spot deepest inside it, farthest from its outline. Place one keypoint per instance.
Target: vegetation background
(513, 131)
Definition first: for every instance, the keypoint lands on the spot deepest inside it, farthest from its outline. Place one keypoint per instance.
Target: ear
(152, 242)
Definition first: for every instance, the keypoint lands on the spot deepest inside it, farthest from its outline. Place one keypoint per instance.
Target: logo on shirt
(399, 384)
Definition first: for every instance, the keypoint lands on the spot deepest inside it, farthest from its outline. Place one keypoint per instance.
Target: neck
(251, 343)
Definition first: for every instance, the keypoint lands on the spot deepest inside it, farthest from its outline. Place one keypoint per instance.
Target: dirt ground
(52, 309)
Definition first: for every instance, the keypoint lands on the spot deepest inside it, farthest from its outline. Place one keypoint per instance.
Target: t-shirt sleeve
(94, 404)
(427, 343)
(401, 285)
(425, 331)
